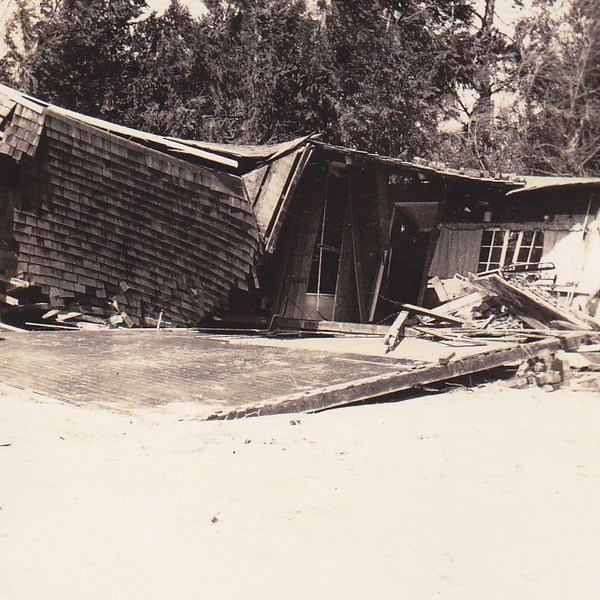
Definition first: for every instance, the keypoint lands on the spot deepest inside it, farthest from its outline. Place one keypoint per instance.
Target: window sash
(510, 248)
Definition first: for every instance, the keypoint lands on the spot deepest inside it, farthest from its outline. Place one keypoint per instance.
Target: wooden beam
(356, 255)
(389, 383)
(429, 313)
(291, 185)
(330, 326)
(377, 287)
(472, 299)
(396, 331)
(533, 302)
(431, 247)
(10, 300)
(8, 327)
(438, 286)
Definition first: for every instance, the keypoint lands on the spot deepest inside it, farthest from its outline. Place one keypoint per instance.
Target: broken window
(502, 247)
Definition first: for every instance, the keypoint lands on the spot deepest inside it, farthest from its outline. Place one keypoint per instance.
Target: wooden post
(433, 240)
(358, 277)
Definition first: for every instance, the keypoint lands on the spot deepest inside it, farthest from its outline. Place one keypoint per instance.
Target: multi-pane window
(502, 247)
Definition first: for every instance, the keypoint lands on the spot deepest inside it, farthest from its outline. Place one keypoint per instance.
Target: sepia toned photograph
(299, 299)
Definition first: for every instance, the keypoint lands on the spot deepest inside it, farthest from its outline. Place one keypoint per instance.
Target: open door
(413, 227)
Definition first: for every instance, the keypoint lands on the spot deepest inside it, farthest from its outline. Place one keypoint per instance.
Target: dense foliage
(559, 84)
(378, 74)
(551, 123)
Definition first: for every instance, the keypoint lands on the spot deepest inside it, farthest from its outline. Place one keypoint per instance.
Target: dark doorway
(411, 236)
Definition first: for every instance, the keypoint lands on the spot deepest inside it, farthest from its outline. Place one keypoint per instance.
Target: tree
(167, 93)
(399, 63)
(552, 124)
(376, 74)
(559, 89)
(268, 77)
(20, 38)
(82, 59)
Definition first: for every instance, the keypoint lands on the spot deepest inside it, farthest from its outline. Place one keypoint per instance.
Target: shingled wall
(98, 216)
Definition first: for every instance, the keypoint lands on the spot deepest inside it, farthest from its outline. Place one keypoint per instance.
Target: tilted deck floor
(224, 377)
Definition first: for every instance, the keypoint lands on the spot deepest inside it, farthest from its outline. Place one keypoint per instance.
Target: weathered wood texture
(329, 326)
(531, 302)
(388, 383)
(271, 189)
(6, 105)
(8, 261)
(301, 231)
(22, 134)
(94, 209)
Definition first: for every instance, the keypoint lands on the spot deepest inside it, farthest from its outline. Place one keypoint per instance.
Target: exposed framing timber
(330, 326)
(292, 184)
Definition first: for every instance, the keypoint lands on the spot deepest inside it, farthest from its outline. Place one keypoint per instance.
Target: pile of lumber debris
(24, 306)
(505, 307)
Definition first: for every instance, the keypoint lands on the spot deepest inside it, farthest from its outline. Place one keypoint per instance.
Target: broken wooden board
(396, 381)
(329, 326)
(455, 305)
(431, 313)
(532, 303)
(438, 287)
(396, 331)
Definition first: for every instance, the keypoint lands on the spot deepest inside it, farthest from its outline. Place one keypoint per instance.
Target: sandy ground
(493, 493)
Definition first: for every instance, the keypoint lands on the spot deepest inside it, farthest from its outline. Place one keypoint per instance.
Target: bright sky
(506, 13)
(196, 6)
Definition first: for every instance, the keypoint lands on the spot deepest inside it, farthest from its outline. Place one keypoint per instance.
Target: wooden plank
(62, 317)
(356, 256)
(18, 283)
(344, 304)
(589, 349)
(396, 331)
(292, 184)
(51, 326)
(377, 287)
(51, 313)
(385, 212)
(472, 299)
(8, 327)
(430, 313)
(330, 326)
(438, 287)
(431, 248)
(10, 300)
(533, 323)
(272, 190)
(395, 381)
(385, 256)
(448, 336)
(532, 303)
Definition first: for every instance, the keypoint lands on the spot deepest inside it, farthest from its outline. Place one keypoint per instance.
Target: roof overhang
(549, 183)
(423, 167)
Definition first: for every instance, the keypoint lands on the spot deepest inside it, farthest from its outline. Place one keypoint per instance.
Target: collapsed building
(95, 214)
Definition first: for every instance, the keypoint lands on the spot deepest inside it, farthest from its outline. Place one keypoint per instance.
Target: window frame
(536, 243)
